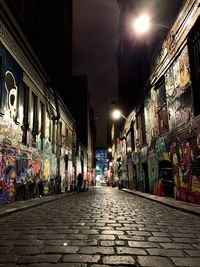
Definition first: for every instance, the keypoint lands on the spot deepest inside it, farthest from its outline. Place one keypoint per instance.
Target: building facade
(36, 129)
(163, 132)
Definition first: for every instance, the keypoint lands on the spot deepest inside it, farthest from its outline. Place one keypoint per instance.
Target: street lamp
(142, 24)
(116, 114)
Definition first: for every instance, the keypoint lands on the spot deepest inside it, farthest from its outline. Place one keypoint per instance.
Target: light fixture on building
(116, 114)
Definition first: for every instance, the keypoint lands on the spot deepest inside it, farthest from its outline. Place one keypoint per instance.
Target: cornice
(14, 49)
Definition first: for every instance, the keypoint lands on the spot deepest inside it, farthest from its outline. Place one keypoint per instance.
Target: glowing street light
(142, 24)
(116, 114)
(109, 150)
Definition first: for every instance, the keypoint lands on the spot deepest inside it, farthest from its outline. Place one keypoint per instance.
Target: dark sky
(95, 43)
(95, 28)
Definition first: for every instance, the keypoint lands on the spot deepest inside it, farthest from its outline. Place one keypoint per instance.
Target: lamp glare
(142, 24)
(116, 114)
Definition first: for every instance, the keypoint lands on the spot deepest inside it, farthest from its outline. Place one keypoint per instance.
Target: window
(143, 128)
(42, 125)
(34, 117)
(42, 118)
(60, 134)
(25, 102)
(163, 125)
(50, 129)
(53, 133)
(194, 57)
(66, 137)
(140, 125)
(59, 138)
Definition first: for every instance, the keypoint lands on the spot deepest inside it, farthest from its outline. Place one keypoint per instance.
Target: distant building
(77, 100)
(101, 163)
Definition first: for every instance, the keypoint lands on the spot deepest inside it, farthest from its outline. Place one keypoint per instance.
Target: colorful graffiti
(185, 157)
(150, 110)
(154, 183)
(178, 91)
(16, 166)
(160, 148)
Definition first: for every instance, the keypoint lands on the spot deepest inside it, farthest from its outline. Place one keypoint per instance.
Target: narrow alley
(102, 227)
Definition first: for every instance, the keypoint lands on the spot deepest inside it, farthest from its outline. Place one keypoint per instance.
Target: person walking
(79, 181)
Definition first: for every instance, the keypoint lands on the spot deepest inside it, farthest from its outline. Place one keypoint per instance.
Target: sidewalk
(22, 205)
(184, 206)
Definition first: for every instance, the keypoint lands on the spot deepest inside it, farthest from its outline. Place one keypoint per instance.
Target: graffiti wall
(17, 167)
(23, 168)
(161, 150)
(178, 91)
(154, 182)
(185, 157)
(150, 111)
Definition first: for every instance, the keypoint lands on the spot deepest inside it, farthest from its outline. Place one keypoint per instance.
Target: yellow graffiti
(195, 184)
(175, 160)
(46, 169)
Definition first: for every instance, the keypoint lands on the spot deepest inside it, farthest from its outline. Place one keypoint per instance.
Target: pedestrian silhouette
(79, 181)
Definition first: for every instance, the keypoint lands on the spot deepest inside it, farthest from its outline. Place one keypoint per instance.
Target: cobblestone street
(101, 227)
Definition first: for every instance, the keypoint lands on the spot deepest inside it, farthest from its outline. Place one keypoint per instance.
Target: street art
(27, 157)
(160, 148)
(63, 175)
(144, 154)
(154, 182)
(46, 172)
(16, 166)
(178, 91)
(10, 134)
(150, 111)
(185, 157)
(11, 89)
(10, 81)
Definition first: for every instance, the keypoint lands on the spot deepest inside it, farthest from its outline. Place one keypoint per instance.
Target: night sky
(95, 27)
(95, 44)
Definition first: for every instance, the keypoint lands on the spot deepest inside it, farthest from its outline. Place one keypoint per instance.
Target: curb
(190, 208)
(28, 204)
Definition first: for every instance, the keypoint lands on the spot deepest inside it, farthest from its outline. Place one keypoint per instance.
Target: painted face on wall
(11, 88)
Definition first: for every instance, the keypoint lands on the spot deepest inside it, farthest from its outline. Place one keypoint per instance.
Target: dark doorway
(66, 161)
(166, 176)
(146, 177)
(135, 184)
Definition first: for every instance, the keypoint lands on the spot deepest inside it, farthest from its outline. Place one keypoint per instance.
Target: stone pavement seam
(185, 207)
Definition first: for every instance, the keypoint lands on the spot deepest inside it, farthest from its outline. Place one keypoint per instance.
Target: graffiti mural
(16, 167)
(185, 157)
(144, 154)
(10, 83)
(11, 88)
(178, 91)
(160, 147)
(150, 110)
(154, 183)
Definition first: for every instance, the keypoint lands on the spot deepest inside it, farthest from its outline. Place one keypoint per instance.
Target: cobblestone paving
(102, 227)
